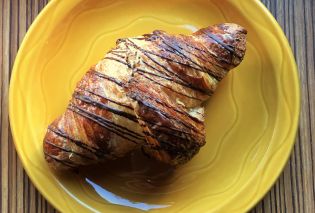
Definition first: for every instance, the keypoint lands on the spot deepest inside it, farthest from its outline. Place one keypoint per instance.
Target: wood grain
(293, 192)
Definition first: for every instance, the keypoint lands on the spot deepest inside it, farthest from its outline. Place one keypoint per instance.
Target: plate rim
(291, 140)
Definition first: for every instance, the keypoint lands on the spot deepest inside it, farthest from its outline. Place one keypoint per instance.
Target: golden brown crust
(147, 92)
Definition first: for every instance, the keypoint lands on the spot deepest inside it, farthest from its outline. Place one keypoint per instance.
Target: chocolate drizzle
(141, 100)
(101, 75)
(220, 42)
(163, 103)
(116, 54)
(88, 100)
(206, 53)
(96, 151)
(187, 84)
(117, 60)
(199, 68)
(168, 130)
(179, 49)
(67, 150)
(109, 125)
(63, 162)
(140, 73)
(171, 148)
(106, 98)
(173, 80)
(169, 133)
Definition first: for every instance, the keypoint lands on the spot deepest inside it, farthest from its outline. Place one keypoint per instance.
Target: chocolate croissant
(146, 93)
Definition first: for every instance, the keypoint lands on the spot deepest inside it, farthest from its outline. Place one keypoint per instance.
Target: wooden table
(293, 192)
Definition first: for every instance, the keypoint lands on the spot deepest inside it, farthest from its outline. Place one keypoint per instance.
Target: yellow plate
(251, 121)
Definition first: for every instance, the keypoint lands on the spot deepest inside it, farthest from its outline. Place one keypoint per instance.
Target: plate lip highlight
(278, 170)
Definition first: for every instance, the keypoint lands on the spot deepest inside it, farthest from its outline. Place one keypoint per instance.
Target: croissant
(146, 93)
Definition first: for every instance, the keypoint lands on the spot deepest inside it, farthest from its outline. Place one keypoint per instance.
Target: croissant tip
(232, 28)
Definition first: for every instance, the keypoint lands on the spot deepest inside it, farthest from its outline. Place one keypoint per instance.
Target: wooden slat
(293, 192)
(5, 154)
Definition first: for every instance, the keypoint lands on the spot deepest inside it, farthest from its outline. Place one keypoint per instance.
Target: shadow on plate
(134, 181)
